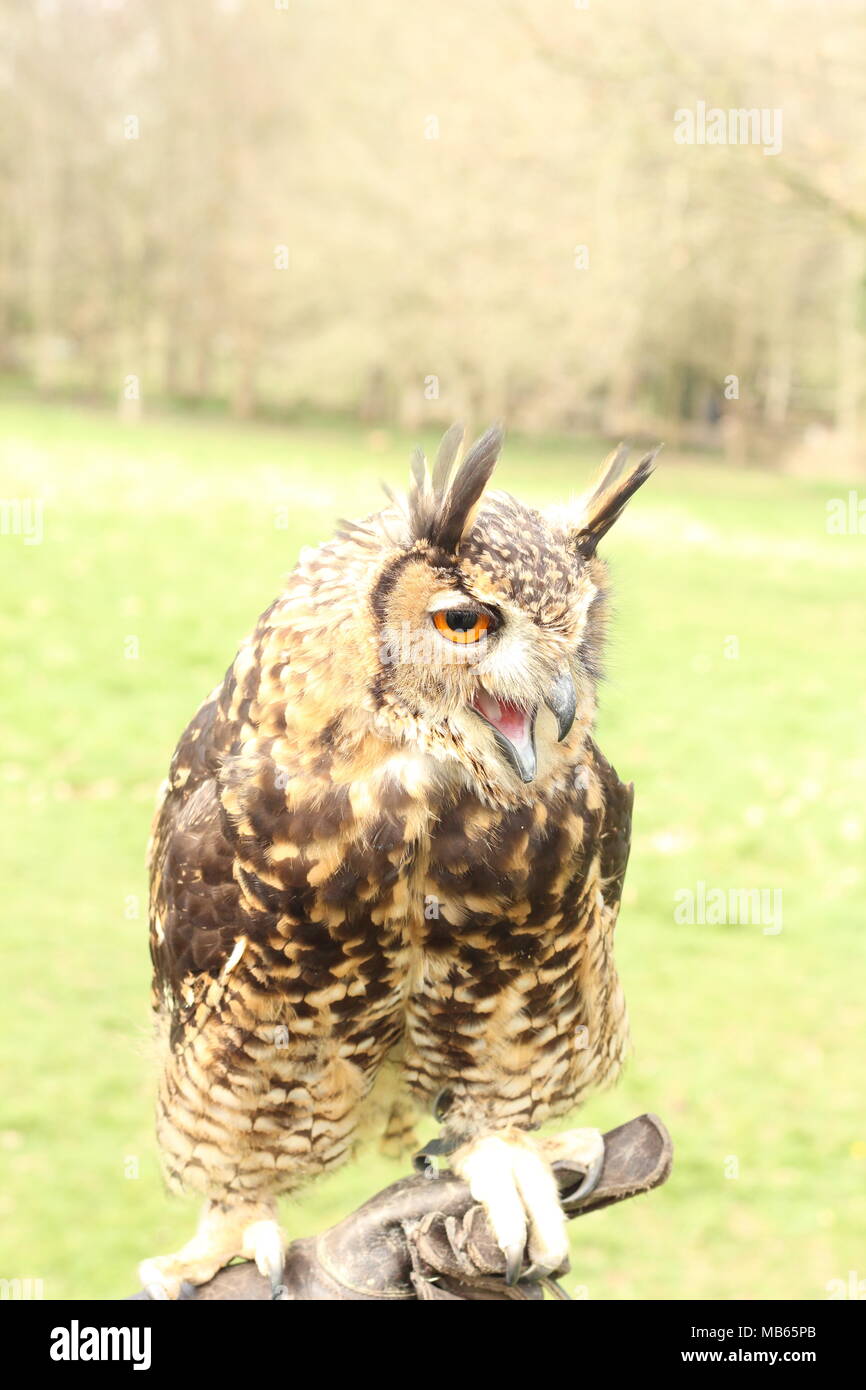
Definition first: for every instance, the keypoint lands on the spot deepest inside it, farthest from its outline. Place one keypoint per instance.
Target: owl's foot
(509, 1173)
(225, 1231)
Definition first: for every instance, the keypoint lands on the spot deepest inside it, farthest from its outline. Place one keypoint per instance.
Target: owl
(386, 869)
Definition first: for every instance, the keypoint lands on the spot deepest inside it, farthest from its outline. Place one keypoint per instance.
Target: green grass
(749, 773)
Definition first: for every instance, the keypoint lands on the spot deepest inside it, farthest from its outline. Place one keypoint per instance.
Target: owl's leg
(509, 1173)
(227, 1229)
(247, 1112)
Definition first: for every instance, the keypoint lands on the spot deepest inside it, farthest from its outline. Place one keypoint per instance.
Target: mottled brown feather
(311, 818)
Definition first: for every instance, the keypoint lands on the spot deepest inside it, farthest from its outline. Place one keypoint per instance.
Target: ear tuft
(449, 448)
(441, 513)
(617, 483)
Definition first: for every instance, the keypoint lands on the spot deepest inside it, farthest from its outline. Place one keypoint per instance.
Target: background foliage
(309, 203)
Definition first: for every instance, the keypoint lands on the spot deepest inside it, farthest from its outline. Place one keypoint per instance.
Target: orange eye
(462, 624)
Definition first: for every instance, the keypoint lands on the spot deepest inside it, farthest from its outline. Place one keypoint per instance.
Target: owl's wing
(193, 896)
(614, 831)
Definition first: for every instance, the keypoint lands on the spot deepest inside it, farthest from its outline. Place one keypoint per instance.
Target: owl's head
(485, 617)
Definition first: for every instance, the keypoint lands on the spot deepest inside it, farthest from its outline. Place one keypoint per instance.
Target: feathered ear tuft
(605, 503)
(441, 513)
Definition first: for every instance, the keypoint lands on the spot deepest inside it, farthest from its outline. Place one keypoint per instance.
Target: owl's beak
(513, 729)
(562, 700)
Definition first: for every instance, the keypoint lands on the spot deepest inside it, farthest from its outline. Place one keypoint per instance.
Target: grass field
(735, 699)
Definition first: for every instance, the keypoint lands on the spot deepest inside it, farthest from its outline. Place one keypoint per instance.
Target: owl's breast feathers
(352, 893)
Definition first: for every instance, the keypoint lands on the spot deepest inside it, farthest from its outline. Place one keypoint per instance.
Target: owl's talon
(425, 1165)
(271, 1261)
(157, 1292)
(590, 1180)
(264, 1243)
(509, 1175)
(513, 1264)
(583, 1148)
(248, 1229)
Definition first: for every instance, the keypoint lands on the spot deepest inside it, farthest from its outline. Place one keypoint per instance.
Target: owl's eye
(462, 624)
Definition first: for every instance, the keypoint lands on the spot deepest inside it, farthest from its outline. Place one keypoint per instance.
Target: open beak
(514, 727)
(514, 731)
(562, 700)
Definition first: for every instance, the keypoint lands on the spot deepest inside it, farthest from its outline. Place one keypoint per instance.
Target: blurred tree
(432, 211)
